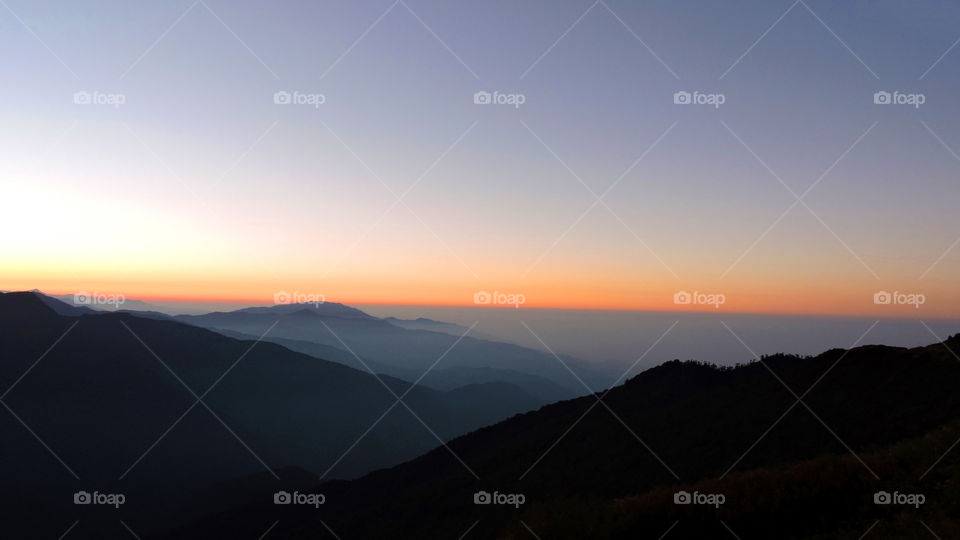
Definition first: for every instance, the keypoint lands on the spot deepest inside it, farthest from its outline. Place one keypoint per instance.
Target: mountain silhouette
(409, 353)
(872, 418)
(103, 400)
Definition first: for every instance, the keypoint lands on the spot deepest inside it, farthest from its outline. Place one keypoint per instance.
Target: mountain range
(799, 447)
(201, 422)
(443, 360)
(155, 407)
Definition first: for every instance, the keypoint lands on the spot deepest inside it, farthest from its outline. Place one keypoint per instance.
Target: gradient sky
(199, 186)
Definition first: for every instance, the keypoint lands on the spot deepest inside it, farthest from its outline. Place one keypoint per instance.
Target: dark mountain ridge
(678, 425)
(114, 396)
(409, 353)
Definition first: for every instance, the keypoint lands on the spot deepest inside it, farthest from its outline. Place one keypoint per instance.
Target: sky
(588, 187)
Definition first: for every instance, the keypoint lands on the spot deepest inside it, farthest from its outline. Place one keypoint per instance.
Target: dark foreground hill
(110, 402)
(872, 419)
